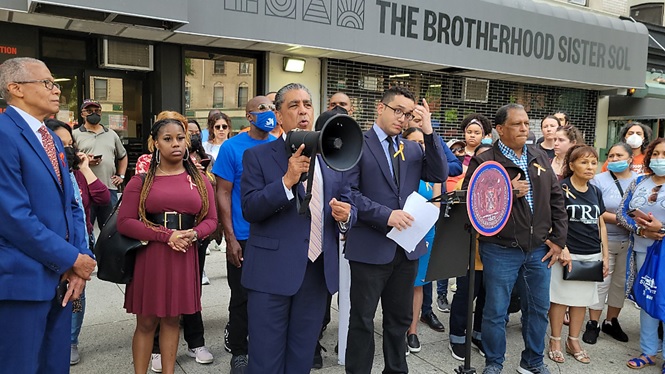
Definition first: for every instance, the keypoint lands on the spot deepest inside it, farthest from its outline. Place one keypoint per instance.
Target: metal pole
(471, 274)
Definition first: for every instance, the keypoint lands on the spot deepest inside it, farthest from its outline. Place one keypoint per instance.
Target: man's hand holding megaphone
(298, 165)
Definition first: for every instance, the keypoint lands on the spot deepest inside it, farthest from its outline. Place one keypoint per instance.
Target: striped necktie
(49, 147)
(316, 226)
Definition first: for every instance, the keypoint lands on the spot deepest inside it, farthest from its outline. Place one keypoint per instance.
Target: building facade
(193, 56)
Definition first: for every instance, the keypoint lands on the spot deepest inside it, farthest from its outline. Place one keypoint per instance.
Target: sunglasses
(91, 111)
(265, 107)
(220, 127)
(457, 149)
(654, 194)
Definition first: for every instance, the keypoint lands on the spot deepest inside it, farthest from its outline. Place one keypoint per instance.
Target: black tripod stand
(447, 258)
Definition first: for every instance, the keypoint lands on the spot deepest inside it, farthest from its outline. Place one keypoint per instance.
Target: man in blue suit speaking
(388, 172)
(42, 238)
(291, 260)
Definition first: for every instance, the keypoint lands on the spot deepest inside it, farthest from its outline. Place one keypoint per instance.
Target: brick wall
(365, 84)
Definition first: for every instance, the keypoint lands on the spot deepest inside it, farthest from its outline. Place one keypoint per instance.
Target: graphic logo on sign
(489, 198)
(247, 6)
(317, 11)
(281, 8)
(351, 14)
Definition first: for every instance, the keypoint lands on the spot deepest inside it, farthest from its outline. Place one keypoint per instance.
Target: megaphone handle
(304, 206)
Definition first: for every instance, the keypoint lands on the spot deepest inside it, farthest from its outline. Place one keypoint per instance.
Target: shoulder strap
(120, 198)
(616, 181)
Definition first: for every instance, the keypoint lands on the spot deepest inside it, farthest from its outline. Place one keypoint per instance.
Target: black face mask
(73, 159)
(195, 140)
(93, 118)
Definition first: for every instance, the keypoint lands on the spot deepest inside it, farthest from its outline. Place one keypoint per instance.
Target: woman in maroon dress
(171, 209)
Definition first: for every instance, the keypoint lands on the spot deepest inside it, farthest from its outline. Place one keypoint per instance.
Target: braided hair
(191, 170)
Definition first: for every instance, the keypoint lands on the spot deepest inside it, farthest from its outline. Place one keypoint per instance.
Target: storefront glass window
(217, 81)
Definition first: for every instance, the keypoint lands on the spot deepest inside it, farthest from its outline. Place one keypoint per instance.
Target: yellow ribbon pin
(540, 168)
(400, 151)
(428, 186)
(566, 189)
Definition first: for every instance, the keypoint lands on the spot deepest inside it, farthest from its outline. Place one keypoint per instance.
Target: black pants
(101, 213)
(192, 324)
(459, 309)
(237, 308)
(393, 284)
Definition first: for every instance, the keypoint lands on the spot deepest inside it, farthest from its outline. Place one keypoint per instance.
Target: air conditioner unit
(476, 90)
(123, 55)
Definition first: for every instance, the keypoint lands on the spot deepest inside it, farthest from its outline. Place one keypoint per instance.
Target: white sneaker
(205, 280)
(208, 251)
(201, 354)
(156, 364)
(222, 247)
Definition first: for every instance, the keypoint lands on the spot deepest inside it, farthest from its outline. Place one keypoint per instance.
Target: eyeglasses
(399, 113)
(457, 149)
(265, 107)
(220, 127)
(654, 194)
(49, 84)
(91, 111)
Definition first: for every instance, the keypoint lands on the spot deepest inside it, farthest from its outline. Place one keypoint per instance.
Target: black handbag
(115, 252)
(591, 271)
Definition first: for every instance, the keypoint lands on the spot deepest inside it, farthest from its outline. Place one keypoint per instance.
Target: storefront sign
(535, 40)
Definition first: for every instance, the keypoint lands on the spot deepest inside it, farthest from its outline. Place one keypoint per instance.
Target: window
(219, 67)
(188, 95)
(243, 95)
(101, 89)
(245, 68)
(218, 97)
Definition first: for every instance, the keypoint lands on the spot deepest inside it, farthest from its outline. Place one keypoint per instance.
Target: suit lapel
(35, 144)
(279, 154)
(376, 149)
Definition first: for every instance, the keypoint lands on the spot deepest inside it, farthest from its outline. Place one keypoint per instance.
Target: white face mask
(634, 141)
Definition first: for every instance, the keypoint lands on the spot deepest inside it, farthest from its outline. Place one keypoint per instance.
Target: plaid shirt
(522, 163)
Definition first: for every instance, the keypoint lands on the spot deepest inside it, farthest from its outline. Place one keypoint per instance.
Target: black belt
(173, 220)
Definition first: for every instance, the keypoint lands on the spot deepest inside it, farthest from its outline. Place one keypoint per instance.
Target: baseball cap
(89, 103)
(452, 142)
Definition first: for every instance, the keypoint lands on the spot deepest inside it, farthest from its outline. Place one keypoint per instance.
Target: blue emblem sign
(489, 198)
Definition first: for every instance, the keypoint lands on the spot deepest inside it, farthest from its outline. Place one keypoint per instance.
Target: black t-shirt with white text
(584, 209)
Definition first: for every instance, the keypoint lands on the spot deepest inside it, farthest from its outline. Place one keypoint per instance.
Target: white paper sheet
(425, 215)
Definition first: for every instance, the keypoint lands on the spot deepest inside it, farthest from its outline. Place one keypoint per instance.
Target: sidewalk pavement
(106, 337)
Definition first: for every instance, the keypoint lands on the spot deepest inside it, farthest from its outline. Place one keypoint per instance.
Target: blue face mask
(265, 121)
(486, 141)
(657, 166)
(617, 166)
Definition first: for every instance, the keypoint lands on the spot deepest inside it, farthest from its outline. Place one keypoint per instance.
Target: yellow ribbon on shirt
(400, 151)
(566, 189)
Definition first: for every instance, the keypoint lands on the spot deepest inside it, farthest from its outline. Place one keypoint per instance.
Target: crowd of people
(199, 189)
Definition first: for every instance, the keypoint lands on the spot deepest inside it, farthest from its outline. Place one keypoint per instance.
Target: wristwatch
(121, 176)
(662, 230)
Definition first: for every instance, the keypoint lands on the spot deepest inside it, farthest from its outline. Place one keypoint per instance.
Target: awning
(625, 107)
(510, 38)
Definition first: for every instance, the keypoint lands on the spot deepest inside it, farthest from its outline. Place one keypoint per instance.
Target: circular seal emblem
(489, 198)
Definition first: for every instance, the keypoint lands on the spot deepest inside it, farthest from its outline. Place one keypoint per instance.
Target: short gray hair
(279, 98)
(13, 70)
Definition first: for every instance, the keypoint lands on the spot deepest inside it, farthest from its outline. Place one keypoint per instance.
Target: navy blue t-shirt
(584, 209)
(228, 166)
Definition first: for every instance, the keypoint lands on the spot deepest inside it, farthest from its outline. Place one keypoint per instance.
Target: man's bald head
(254, 103)
(341, 100)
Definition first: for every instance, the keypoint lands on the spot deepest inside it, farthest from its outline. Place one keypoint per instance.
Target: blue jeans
(503, 268)
(77, 321)
(442, 288)
(648, 325)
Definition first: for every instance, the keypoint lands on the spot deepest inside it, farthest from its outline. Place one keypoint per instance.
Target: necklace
(168, 174)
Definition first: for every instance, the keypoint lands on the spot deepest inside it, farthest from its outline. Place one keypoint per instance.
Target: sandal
(580, 356)
(639, 362)
(555, 355)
